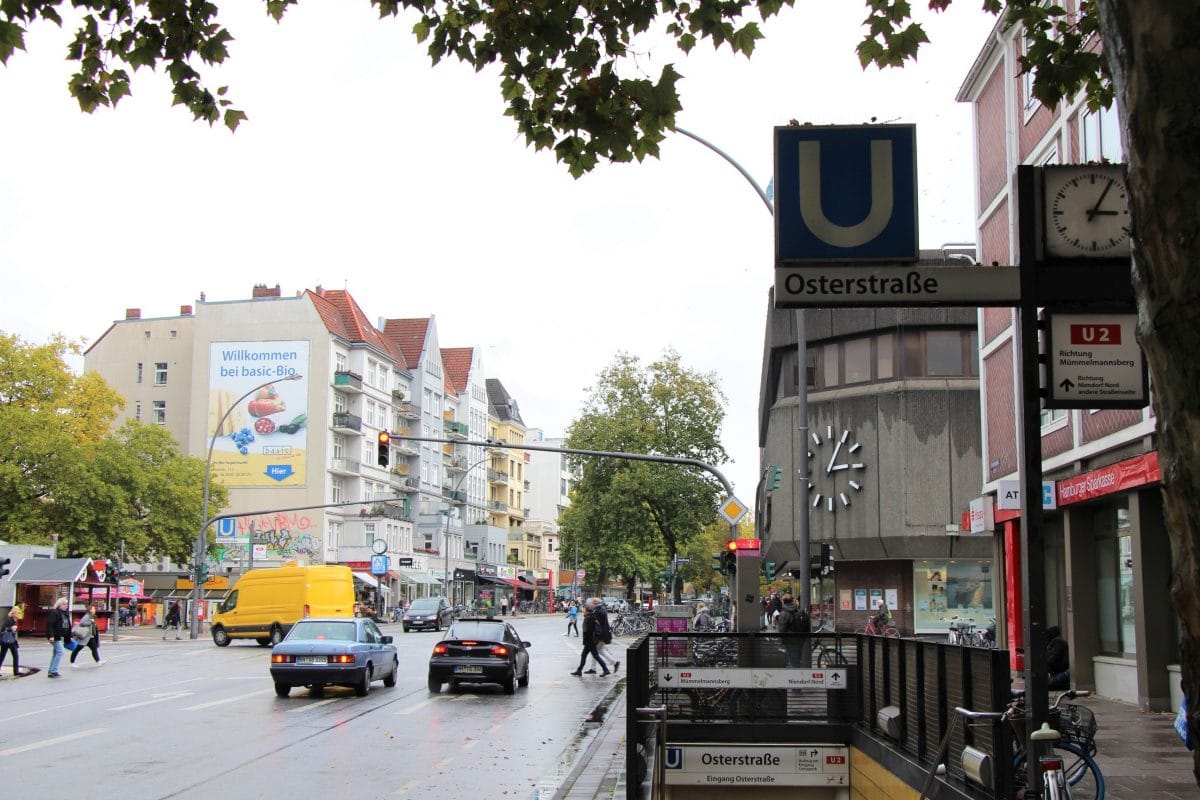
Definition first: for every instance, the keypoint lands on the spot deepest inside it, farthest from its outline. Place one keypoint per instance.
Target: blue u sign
(846, 193)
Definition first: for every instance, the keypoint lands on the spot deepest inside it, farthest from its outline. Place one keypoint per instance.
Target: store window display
(946, 589)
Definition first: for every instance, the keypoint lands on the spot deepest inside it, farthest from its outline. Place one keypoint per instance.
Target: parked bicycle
(1069, 740)
(963, 633)
(889, 630)
(633, 623)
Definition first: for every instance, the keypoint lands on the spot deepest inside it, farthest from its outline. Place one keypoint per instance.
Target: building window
(1100, 136)
(339, 362)
(943, 353)
(1114, 580)
(335, 535)
(139, 372)
(943, 589)
(885, 365)
(368, 533)
(830, 374)
(337, 490)
(1053, 417)
(160, 373)
(160, 412)
(137, 410)
(174, 334)
(857, 353)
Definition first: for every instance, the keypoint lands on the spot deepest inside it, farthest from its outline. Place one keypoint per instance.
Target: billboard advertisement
(258, 412)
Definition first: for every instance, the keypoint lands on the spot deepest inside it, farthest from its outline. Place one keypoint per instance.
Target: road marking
(471, 744)
(233, 699)
(445, 762)
(411, 709)
(160, 697)
(311, 706)
(91, 700)
(25, 748)
(408, 787)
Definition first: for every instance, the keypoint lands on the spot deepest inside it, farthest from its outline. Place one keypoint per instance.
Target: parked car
(477, 650)
(433, 613)
(334, 652)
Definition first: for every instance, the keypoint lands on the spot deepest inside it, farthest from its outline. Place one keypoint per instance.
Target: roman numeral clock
(835, 469)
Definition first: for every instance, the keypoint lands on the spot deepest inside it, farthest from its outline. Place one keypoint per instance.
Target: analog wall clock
(835, 469)
(1085, 211)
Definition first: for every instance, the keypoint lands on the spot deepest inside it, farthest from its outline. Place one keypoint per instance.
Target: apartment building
(1106, 554)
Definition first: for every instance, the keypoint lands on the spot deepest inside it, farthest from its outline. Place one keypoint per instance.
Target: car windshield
(424, 604)
(322, 631)
(478, 631)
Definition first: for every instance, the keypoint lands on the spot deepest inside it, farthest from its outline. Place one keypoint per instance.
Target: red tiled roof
(457, 362)
(343, 316)
(407, 336)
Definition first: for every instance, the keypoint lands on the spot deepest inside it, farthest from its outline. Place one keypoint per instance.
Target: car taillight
(1051, 763)
(440, 649)
(307, 611)
(499, 650)
(341, 659)
(469, 643)
(279, 658)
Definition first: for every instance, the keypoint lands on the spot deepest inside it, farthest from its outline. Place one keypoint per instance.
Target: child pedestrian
(86, 633)
(572, 618)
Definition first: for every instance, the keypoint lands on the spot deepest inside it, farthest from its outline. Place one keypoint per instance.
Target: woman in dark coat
(589, 643)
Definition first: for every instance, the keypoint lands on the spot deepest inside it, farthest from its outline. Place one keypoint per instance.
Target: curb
(603, 723)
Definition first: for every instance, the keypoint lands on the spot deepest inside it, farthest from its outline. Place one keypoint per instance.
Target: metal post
(199, 554)
(116, 609)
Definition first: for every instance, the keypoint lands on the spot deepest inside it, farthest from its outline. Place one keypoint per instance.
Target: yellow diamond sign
(732, 510)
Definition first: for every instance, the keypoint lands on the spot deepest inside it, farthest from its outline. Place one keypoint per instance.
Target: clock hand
(832, 458)
(1094, 210)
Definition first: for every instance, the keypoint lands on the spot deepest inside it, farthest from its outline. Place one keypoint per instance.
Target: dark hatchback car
(334, 652)
(432, 613)
(480, 651)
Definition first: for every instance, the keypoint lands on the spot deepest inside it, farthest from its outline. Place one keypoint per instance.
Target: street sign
(259, 551)
(732, 510)
(1094, 361)
(751, 678)
(226, 529)
(379, 564)
(888, 285)
(845, 193)
(404, 561)
(683, 561)
(751, 765)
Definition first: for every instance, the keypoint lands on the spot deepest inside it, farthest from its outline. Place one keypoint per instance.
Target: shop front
(40, 582)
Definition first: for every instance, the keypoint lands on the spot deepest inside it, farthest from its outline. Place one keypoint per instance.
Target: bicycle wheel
(1083, 774)
(830, 657)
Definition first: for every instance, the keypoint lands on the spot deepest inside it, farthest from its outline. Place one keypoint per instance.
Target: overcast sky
(362, 167)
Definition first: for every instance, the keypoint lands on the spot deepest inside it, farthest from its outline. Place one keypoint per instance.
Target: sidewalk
(1140, 755)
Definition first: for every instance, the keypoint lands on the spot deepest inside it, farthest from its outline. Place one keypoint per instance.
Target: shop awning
(421, 577)
(50, 571)
(370, 580)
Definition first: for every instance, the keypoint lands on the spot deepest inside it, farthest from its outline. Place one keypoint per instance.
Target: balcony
(345, 422)
(518, 513)
(344, 466)
(457, 496)
(345, 381)
(397, 395)
(456, 430)
(404, 446)
(497, 477)
(403, 483)
(388, 511)
(498, 506)
(454, 463)
(407, 410)
(401, 469)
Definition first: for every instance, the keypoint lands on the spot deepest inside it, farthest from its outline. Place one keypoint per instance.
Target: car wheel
(406, 629)
(220, 637)
(524, 681)
(283, 689)
(263, 641)
(453, 685)
(276, 635)
(364, 686)
(510, 685)
(435, 686)
(389, 680)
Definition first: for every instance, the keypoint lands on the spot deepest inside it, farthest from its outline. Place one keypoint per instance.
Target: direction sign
(750, 765)
(683, 561)
(751, 678)
(1094, 361)
(845, 193)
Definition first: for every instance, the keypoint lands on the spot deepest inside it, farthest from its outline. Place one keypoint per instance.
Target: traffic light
(4, 562)
(730, 556)
(384, 455)
(718, 562)
(770, 569)
(774, 476)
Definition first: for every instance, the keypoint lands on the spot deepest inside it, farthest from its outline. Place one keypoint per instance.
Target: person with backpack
(793, 624)
(173, 620)
(572, 618)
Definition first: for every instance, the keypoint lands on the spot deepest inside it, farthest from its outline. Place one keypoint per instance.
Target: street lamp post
(446, 538)
(201, 543)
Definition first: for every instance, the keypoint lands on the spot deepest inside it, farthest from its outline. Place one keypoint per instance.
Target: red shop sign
(1117, 477)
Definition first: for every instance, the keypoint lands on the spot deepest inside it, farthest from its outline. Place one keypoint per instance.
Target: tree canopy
(635, 516)
(64, 473)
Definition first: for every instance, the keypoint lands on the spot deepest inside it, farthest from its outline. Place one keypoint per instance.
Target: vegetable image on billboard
(258, 412)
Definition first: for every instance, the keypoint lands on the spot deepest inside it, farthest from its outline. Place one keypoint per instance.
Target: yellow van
(265, 603)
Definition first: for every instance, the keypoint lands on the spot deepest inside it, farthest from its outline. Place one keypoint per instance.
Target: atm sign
(1095, 334)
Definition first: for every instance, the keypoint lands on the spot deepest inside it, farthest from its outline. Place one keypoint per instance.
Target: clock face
(1085, 211)
(835, 469)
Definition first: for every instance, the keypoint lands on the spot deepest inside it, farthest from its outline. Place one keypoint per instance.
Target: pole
(446, 538)
(199, 554)
(116, 610)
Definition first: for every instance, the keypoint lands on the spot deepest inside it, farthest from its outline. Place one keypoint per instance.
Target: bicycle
(962, 632)
(829, 655)
(889, 630)
(1069, 739)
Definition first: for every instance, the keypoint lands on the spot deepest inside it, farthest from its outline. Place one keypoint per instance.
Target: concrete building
(1106, 555)
(890, 451)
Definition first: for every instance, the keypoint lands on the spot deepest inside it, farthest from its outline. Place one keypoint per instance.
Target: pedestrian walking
(8, 638)
(603, 636)
(572, 618)
(86, 633)
(503, 606)
(589, 641)
(703, 620)
(174, 617)
(792, 621)
(58, 628)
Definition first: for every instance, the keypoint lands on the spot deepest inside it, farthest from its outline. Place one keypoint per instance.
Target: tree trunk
(1153, 50)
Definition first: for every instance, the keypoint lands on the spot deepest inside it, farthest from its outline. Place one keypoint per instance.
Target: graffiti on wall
(287, 535)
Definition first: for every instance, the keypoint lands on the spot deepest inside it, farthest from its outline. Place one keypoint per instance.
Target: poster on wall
(844, 599)
(876, 598)
(892, 596)
(258, 412)
(860, 599)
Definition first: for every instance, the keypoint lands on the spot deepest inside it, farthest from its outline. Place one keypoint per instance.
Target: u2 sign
(846, 193)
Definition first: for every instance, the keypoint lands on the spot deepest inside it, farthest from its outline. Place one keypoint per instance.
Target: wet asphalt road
(187, 719)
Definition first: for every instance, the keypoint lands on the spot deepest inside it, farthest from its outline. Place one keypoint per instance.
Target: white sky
(362, 167)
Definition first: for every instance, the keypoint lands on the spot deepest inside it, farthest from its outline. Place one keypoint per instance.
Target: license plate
(312, 660)
(467, 669)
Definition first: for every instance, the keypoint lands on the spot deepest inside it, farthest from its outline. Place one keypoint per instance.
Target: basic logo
(673, 758)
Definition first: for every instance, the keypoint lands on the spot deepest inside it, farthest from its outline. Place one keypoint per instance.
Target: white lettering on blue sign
(813, 213)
